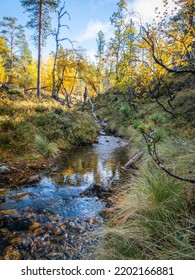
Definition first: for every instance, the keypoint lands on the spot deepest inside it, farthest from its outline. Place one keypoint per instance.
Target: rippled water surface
(55, 202)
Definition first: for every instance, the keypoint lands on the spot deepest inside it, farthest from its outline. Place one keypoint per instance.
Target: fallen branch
(27, 89)
(133, 160)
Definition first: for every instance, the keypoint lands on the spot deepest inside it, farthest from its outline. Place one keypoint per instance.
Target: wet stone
(10, 253)
(16, 241)
(34, 226)
(19, 224)
(12, 212)
(97, 190)
(33, 179)
(4, 170)
(20, 196)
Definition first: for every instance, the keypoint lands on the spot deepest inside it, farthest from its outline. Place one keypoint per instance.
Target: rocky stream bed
(60, 216)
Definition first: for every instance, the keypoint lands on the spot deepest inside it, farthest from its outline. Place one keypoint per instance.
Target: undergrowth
(30, 126)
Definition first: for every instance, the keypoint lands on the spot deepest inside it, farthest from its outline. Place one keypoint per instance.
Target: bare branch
(151, 144)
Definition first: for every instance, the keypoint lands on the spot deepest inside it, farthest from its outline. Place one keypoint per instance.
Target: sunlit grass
(23, 117)
(150, 220)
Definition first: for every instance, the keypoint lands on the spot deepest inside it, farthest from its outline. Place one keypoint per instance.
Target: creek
(50, 219)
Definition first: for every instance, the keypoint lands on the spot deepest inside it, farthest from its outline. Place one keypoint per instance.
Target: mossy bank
(34, 131)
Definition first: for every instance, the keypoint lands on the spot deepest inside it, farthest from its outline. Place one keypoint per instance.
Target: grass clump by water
(45, 147)
(150, 220)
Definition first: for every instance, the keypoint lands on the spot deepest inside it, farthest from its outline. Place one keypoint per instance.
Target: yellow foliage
(2, 71)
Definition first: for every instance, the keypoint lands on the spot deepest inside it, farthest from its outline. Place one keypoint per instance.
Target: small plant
(41, 109)
(47, 148)
(157, 117)
(159, 135)
(125, 110)
(136, 123)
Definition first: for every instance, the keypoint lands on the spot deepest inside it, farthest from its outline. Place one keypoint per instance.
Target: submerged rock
(35, 226)
(19, 196)
(12, 212)
(14, 223)
(97, 190)
(2, 199)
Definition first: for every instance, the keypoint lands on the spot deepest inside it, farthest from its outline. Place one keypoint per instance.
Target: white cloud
(91, 54)
(146, 8)
(92, 29)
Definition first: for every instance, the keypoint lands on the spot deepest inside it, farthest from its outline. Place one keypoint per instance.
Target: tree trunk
(39, 48)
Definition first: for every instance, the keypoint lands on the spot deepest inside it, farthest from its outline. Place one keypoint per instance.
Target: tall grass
(150, 220)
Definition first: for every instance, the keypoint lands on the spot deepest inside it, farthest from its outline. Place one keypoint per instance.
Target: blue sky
(88, 17)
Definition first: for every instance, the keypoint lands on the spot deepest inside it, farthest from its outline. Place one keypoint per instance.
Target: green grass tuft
(45, 147)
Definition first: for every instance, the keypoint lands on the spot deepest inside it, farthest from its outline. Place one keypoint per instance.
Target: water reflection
(51, 220)
(58, 192)
(98, 163)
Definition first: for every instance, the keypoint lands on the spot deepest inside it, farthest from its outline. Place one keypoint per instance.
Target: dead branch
(151, 144)
(28, 89)
(148, 39)
(133, 160)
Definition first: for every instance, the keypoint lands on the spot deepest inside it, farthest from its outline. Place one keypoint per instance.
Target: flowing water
(51, 220)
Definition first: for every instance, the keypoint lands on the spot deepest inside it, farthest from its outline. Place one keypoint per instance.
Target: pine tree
(40, 21)
(13, 34)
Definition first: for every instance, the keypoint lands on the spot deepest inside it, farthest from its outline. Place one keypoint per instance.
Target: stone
(2, 199)
(19, 224)
(4, 170)
(97, 190)
(12, 212)
(10, 253)
(16, 241)
(33, 179)
(20, 196)
(38, 231)
(34, 226)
